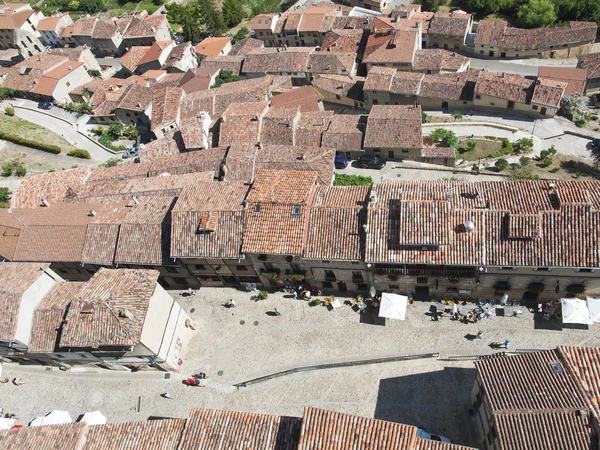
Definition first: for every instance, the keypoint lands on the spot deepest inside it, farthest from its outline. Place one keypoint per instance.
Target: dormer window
(296, 211)
(257, 207)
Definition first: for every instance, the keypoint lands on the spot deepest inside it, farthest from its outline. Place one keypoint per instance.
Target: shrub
(110, 162)
(115, 129)
(546, 162)
(241, 34)
(424, 117)
(4, 197)
(490, 138)
(6, 93)
(501, 164)
(27, 143)
(580, 121)
(506, 149)
(475, 168)
(524, 161)
(471, 145)
(342, 179)
(523, 145)
(9, 111)
(20, 170)
(79, 153)
(457, 115)
(444, 136)
(7, 169)
(315, 302)
(594, 117)
(263, 295)
(556, 169)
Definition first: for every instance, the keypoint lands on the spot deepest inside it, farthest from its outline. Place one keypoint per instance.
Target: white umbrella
(594, 307)
(575, 311)
(393, 306)
(56, 417)
(94, 418)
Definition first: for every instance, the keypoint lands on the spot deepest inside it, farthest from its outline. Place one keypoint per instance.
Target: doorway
(511, 104)
(422, 293)
(491, 53)
(503, 55)
(543, 111)
(445, 105)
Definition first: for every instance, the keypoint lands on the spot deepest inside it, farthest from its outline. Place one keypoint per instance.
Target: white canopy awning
(56, 417)
(393, 306)
(575, 311)
(594, 307)
(6, 424)
(94, 418)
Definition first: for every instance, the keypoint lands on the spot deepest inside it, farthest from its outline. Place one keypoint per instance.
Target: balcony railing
(432, 272)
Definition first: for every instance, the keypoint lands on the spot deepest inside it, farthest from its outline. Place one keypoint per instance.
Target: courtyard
(238, 344)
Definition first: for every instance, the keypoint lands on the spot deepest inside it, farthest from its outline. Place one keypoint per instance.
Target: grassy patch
(482, 150)
(108, 142)
(352, 180)
(31, 131)
(578, 169)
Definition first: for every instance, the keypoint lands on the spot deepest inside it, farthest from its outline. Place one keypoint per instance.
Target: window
(199, 266)
(171, 269)
(180, 281)
(492, 104)
(543, 269)
(296, 211)
(338, 97)
(481, 51)
(534, 107)
(355, 262)
(586, 270)
(422, 280)
(241, 268)
(327, 284)
(329, 275)
(508, 268)
(136, 114)
(325, 261)
(260, 33)
(377, 150)
(128, 115)
(257, 207)
(375, 102)
(404, 150)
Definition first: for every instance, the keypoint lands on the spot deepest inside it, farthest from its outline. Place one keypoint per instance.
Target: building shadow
(437, 402)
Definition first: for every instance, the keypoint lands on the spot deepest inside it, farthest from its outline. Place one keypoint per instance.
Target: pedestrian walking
(166, 395)
(277, 312)
(480, 334)
(506, 342)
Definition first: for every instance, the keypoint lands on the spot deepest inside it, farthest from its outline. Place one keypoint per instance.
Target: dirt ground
(37, 161)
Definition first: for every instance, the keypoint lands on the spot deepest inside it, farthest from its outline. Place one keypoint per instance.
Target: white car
(432, 437)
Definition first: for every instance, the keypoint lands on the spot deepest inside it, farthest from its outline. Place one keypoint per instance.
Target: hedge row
(27, 143)
(79, 153)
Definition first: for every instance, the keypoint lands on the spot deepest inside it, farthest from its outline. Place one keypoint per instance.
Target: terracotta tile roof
(48, 82)
(67, 32)
(132, 58)
(504, 85)
(344, 41)
(310, 127)
(346, 22)
(84, 26)
(208, 429)
(584, 364)
(335, 223)
(240, 123)
(396, 47)
(305, 97)
(591, 63)
(165, 105)
(342, 85)
(245, 46)
(553, 429)
(15, 279)
(329, 430)
(161, 434)
(56, 437)
(391, 126)
(263, 21)
(135, 98)
(167, 145)
(48, 186)
(240, 163)
(9, 234)
(105, 30)
(48, 316)
(436, 59)
(230, 62)
(548, 92)
(156, 51)
(380, 78)
(277, 60)
(450, 23)
(436, 150)
(212, 46)
(95, 317)
(345, 132)
(454, 86)
(100, 243)
(575, 78)
(177, 54)
(276, 218)
(48, 23)
(498, 33)
(208, 221)
(139, 28)
(335, 63)
(283, 157)
(279, 125)
(562, 242)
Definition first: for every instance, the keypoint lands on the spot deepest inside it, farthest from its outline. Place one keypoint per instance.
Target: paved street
(520, 66)
(234, 345)
(51, 120)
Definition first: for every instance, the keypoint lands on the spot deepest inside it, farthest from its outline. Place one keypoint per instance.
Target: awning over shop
(393, 306)
(575, 311)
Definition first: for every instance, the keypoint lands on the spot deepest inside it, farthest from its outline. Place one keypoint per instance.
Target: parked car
(370, 162)
(134, 151)
(340, 161)
(45, 105)
(432, 437)
(595, 143)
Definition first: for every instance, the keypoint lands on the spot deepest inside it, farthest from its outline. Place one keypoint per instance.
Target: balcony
(427, 272)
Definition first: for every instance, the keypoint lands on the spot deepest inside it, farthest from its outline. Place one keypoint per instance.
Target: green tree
(501, 164)
(430, 5)
(444, 136)
(211, 17)
(9, 111)
(4, 197)
(225, 76)
(241, 34)
(523, 145)
(524, 161)
(536, 14)
(115, 129)
(342, 179)
(91, 6)
(587, 10)
(233, 12)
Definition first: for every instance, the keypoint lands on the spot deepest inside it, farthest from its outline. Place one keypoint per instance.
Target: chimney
(45, 203)
(92, 213)
(135, 200)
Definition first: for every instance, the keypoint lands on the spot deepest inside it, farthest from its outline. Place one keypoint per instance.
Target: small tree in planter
(262, 295)
(315, 302)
